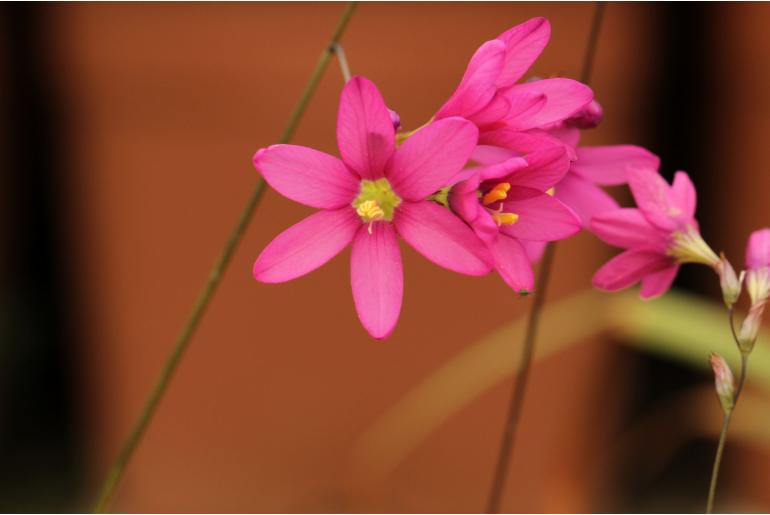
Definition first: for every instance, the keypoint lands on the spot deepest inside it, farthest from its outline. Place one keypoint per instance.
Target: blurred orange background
(273, 407)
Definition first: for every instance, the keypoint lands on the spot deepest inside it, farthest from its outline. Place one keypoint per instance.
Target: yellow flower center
(376, 201)
(496, 194)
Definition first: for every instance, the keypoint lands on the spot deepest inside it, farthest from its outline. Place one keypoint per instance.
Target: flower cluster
(494, 176)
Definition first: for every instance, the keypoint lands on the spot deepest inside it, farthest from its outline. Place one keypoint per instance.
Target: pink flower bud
(588, 117)
(395, 119)
(724, 382)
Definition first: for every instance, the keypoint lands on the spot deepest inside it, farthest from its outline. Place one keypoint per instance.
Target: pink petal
(429, 159)
(305, 246)
(653, 196)
(534, 249)
(683, 195)
(488, 154)
(308, 176)
(523, 44)
(513, 264)
(628, 268)
(544, 169)
(517, 141)
(541, 217)
(442, 237)
(628, 228)
(658, 283)
(584, 198)
(564, 97)
(478, 84)
(758, 249)
(492, 113)
(464, 201)
(508, 168)
(568, 135)
(609, 165)
(377, 278)
(365, 132)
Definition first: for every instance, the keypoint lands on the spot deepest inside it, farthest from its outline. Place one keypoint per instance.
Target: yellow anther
(550, 191)
(499, 192)
(369, 211)
(505, 218)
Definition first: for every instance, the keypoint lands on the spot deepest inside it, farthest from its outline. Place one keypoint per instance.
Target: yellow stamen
(550, 191)
(499, 192)
(505, 218)
(370, 211)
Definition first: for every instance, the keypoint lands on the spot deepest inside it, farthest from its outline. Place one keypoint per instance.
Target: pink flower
(489, 96)
(758, 266)
(368, 197)
(508, 205)
(659, 235)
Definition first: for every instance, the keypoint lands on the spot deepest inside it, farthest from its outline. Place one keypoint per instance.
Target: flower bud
(587, 118)
(747, 336)
(758, 284)
(395, 119)
(729, 281)
(724, 382)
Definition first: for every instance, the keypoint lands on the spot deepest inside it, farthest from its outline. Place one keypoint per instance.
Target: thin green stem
(718, 461)
(215, 275)
(516, 403)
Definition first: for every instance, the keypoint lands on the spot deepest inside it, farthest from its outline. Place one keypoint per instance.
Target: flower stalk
(215, 275)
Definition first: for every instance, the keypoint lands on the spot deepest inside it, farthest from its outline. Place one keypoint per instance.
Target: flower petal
(365, 133)
(653, 196)
(683, 195)
(544, 169)
(658, 283)
(442, 237)
(489, 155)
(523, 44)
(431, 158)
(628, 228)
(609, 165)
(513, 264)
(584, 198)
(477, 86)
(541, 217)
(563, 97)
(758, 249)
(305, 246)
(628, 268)
(517, 141)
(308, 176)
(377, 278)
(534, 249)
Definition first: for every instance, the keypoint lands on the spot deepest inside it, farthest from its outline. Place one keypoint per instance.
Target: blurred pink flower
(660, 234)
(489, 96)
(508, 205)
(758, 265)
(368, 197)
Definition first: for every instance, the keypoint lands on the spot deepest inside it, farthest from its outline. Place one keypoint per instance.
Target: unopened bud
(729, 281)
(724, 382)
(589, 117)
(758, 284)
(747, 336)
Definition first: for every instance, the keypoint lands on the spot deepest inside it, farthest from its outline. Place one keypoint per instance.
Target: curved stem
(215, 275)
(342, 59)
(505, 453)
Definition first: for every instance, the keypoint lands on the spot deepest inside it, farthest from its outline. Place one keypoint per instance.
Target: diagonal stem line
(212, 282)
(516, 403)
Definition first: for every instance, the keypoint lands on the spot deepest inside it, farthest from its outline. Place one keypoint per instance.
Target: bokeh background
(127, 137)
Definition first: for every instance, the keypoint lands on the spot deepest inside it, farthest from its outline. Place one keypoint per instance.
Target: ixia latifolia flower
(369, 197)
(490, 97)
(509, 204)
(659, 235)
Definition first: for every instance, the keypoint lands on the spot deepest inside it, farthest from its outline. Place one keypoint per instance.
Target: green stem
(215, 275)
(516, 403)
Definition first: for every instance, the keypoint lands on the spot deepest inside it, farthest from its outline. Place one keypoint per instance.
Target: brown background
(170, 101)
